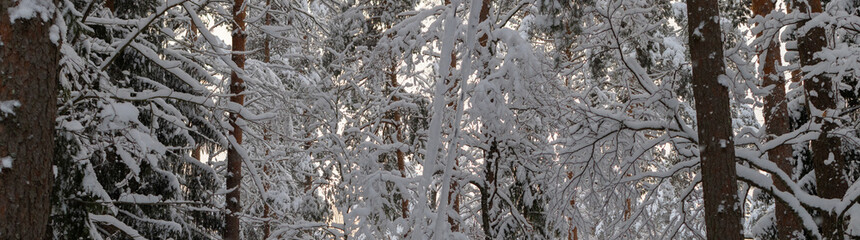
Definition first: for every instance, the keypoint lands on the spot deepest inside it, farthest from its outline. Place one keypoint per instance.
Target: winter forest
(420, 119)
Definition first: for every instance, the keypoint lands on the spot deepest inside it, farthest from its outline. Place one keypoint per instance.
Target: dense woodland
(416, 119)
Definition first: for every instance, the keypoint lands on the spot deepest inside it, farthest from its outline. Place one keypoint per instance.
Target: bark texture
(716, 145)
(234, 160)
(821, 95)
(28, 74)
(777, 121)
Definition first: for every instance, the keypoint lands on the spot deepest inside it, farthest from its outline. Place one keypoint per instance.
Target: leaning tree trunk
(28, 92)
(776, 120)
(716, 145)
(234, 160)
(827, 156)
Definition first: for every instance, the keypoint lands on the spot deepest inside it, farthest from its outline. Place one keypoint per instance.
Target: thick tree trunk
(827, 156)
(716, 145)
(28, 94)
(777, 121)
(234, 160)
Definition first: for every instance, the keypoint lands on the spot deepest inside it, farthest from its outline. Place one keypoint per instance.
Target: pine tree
(827, 156)
(775, 113)
(130, 118)
(232, 229)
(716, 140)
(28, 89)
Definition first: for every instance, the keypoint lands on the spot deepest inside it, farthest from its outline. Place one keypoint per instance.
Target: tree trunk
(234, 160)
(827, 156)
(453, 197)
(485, 208)
(776, 121)
(266, 185)
(267, 51)
(572, 231)
(397, 123)
(309, 181)
(28, 95)
(267, 57)
(491, 155)
(716, 145)
(196, 152)
(110, 5)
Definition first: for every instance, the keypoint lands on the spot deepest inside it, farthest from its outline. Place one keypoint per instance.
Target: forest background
(408, 119)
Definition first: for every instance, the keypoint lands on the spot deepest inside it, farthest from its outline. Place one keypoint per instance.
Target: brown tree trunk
(776, 121)
(485, 208)
(797, 77)
(453, 197)
(267, 57)
(196, 152)
(267, 51)
(234, 160)
(821, 96)
(492, 155)
(266, 185)
(716, 145)
(110, 5)
(572, 231)
(396, 122)
(28, 85)
(309, 181)
(491, 158)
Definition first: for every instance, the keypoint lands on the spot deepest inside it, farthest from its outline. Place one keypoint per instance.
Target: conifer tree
(716, 140)
(28, 89)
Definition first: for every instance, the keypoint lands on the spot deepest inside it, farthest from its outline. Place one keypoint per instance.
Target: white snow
(26, 9)
(725, 81)
(8, 108)
(5, 162)
(120, 113)
(138, 198)
(697, 31)
(675, 50)
(830, 159)
(72, 126)
(679, 9)
(54, 34)
(111, 220)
